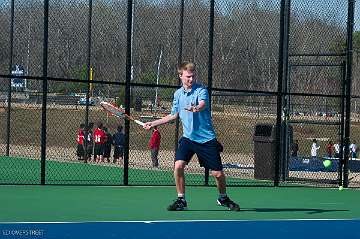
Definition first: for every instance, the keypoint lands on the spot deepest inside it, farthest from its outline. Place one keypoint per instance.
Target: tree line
(246, 44)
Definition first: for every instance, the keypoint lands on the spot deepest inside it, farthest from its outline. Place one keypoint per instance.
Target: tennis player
(191, 104)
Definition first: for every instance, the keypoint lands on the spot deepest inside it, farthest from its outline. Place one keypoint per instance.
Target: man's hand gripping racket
(118, 112)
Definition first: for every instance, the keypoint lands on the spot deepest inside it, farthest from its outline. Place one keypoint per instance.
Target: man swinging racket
(191, 104)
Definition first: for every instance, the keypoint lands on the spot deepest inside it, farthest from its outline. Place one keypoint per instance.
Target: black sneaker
(178, 205)
(227, 202)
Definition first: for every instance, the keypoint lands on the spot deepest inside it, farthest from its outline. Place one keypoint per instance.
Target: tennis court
(140, 212)
(58, 211)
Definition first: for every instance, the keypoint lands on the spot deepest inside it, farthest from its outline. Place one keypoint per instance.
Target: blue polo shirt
(197, 126)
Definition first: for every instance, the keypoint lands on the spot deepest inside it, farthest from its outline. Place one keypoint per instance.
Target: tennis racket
(118, 112)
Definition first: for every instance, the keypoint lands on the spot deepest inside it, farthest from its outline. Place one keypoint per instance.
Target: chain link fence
(264, 62)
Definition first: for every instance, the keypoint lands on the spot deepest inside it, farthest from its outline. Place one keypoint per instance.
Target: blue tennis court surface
(279, 229)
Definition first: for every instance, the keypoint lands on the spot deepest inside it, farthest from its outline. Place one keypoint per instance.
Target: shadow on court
(308, 210)
(206, 210)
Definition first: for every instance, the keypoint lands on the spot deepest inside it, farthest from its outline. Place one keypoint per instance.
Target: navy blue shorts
(208, 153)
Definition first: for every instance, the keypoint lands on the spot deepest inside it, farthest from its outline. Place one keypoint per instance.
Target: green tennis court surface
(140, 211)
(116, 203)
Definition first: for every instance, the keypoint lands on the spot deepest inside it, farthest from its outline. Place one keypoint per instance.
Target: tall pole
(210, 66)
(8, 113)
(284, 135)
(44, 89)
(279, 92)
(89, 85)
(349, 60)
(132, 41)
(342, 124)
(88, 64)
(157, 80)
(128, 88)
(180, 47)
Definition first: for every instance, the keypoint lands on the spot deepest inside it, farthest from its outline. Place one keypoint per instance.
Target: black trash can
(264, 151)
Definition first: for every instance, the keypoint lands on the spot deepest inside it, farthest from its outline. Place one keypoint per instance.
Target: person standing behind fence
(154, 145)
(119, 141)
(336, 150)
(89, 141)
(353, 149)
(80, 139)
(99, 140)
(330, 149)
(108, 144)
(314, 149)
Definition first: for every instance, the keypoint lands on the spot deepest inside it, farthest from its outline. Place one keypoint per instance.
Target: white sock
(181, 195)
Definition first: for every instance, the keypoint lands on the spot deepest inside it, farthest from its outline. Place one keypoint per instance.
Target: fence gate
(313, 119)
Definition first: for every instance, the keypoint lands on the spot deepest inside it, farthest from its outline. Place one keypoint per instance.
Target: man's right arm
(163, 120)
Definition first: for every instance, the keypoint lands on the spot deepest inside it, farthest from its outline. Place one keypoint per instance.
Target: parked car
(82, 101)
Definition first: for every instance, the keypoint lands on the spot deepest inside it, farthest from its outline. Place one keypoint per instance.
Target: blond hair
(186, 66)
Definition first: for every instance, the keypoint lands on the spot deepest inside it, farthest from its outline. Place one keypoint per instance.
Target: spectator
(314, 149)
(336, 150)
(119, 141)
(353, 149)
(154, 145)
(108, 144)
(89, 141)
(330, 149)
(99, 140)
(80, 151)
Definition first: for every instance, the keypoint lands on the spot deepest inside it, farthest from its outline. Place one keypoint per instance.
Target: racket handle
(139, 122)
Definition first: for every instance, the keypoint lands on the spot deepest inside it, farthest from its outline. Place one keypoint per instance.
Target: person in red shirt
(154, 145)
(80, 151)
(330, 149)
(99, 140)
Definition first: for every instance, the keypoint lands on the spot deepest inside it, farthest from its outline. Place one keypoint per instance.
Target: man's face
(187, 79)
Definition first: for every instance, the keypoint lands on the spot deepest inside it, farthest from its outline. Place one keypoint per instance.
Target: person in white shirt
(314, 148)
(337, 150)
(353, 149)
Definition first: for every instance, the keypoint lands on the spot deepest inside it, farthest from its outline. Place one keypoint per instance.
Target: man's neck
(188, 89)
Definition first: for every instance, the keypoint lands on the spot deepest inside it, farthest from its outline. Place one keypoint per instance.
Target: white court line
(191, 221)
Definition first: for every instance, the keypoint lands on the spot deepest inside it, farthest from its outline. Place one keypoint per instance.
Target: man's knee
(218, 174)
(179, 165)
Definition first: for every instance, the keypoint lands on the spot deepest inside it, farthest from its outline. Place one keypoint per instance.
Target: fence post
(349, 59)
(127, 89)
(342, 125)
(210, 67)
(282, 70)
(8, 113)
(180, 45)
(44, 89)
